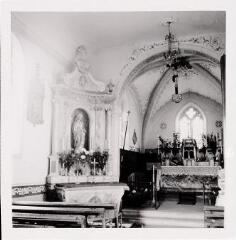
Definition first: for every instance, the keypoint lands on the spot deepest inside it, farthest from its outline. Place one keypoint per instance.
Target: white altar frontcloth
(97, 193)
(190, 170)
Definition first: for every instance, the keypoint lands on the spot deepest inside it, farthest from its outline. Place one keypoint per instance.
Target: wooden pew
(213, 217)
(106, 212)
(34, 216)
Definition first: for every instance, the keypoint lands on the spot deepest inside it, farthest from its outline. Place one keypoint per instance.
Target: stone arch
(152, 57)
(154, 54)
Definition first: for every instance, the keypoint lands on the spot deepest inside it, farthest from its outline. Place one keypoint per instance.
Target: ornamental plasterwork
(69, 93)
(215, 42)
(81, 77)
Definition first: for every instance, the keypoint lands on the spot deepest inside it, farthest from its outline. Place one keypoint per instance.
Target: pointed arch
(188, 115)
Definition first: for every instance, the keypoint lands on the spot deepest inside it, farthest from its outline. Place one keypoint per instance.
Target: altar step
(168, 215)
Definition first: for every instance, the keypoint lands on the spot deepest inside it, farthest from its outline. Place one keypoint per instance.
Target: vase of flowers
(76, 159)
(83, 162)
(67, 160)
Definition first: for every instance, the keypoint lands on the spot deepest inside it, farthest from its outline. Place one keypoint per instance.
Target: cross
(94, 165)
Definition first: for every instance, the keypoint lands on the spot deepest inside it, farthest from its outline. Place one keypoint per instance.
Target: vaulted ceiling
(102, 32)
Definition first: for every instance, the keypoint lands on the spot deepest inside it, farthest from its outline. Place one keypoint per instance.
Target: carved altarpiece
(91, 97)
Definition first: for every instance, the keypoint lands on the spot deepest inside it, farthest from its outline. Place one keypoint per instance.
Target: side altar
(85, 128)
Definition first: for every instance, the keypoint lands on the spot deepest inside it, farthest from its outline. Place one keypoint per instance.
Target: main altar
(180, 178)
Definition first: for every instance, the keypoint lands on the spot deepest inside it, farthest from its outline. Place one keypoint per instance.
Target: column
(106, 129)
(115, 151)
(53, 158)
(222, 68)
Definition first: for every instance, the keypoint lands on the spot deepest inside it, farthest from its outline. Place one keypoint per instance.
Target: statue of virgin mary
(79, 132)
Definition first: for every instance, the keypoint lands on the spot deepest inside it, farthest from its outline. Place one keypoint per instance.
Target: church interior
(118, 119)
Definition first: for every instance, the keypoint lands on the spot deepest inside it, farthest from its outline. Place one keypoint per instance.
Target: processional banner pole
(126, 127)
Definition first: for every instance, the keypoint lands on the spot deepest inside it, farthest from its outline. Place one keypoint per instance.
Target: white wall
(167, 114)
(129, 103)
(31, 146)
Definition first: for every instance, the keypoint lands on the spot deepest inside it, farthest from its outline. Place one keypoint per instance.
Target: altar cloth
(99, 193)
(190, 170)
(191, 178)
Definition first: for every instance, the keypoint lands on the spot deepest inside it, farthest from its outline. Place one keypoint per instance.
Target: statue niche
(80, 130)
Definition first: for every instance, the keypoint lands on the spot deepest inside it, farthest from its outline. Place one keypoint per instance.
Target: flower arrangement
(101, 158)
(70, 158)
(82, 160)
(212, 143)
(165, 146)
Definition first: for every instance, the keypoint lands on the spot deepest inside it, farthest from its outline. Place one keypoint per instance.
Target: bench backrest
(57, 210)
(64, 204)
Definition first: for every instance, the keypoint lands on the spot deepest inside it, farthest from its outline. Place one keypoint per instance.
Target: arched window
(191, 123)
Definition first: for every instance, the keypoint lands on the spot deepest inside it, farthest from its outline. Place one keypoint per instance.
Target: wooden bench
(105, 212)
(213, 217)
(36, 216)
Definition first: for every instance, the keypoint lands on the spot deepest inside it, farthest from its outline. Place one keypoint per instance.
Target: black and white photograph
(116, 119)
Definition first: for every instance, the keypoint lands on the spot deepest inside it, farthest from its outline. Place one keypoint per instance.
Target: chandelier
(175, 61)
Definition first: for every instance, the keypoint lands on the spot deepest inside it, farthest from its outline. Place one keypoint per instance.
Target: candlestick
(94, 166)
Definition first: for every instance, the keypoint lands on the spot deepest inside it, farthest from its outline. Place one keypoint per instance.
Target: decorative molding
(27, 190)
(218, 124)
(214, 42)
(163, 125)
(62, 90)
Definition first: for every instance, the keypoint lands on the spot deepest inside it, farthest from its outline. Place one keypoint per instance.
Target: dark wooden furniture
(213, 216)
(36, 216)
(34, 212)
